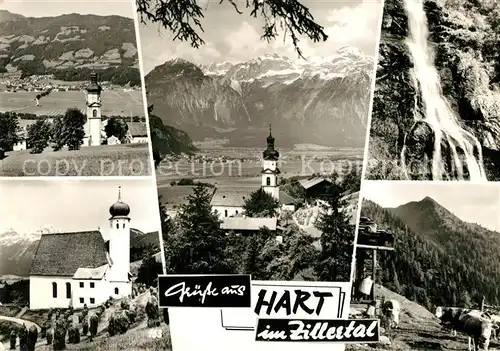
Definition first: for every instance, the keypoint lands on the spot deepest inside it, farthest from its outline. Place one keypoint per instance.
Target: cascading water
(437, 112)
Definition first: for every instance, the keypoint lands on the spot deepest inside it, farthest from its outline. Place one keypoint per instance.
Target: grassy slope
(116, 160)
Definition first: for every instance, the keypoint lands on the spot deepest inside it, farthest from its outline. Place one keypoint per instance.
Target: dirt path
(20, 322)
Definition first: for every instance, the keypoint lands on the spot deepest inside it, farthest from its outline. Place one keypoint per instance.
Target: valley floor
(418, 330)
(104, 160)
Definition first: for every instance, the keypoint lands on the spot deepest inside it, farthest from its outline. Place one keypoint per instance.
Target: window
(225, 213)
(236, 212)
(92, 285)
(94, 113)
(54, 290)
(92, 300)
(81, 300)
(81, 284)
(268, 181)
(123, 225)
(116, 291)
(117, 226)
(111, 224)
(68, 290)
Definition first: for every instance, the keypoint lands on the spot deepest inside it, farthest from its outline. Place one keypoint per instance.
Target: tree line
(456, 273)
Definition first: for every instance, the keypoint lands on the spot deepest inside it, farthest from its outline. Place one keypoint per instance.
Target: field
(114, 103)
(116, 160)
(243, 165)
(138, 337)
(419, 330)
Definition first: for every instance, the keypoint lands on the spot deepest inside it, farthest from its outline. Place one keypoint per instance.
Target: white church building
(78, 268)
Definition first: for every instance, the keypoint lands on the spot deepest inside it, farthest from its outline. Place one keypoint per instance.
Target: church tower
(119, 242)
(270, 170)
(94, 110)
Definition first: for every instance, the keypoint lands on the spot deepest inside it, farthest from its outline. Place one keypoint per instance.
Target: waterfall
(437, 112)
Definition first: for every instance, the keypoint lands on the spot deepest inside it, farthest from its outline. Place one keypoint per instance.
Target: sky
(75, 205)
(50, 8)
(234, 38)
(474, 203)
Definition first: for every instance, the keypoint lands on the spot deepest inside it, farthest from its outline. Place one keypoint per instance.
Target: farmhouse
(315, 187)
(78, 268)
(230, 202)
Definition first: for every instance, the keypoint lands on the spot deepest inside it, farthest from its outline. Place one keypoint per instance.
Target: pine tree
(57, 136)
(336, 239)
(116, 127)
(261, 204)
(9, 128)
(199, 247)
(73, 131)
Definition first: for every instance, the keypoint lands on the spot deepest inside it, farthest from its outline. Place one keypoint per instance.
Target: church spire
(119, 193)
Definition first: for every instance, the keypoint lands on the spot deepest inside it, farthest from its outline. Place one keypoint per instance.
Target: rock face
(464, 36)
(68, 46)
(322, 101)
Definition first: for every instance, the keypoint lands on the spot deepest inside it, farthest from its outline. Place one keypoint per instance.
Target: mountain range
(69, 46)
(321, 101)
(439, 259)
(17, 250)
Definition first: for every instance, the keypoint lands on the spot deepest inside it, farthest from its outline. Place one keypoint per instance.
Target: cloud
(350, 25)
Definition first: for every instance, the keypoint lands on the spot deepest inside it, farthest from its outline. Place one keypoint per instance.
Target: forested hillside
(438, 258)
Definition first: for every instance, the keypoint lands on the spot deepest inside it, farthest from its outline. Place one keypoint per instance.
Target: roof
(248, 223)
(61, 254)
(231, 198)
(309, 183)
(286, 199)
(91, 273)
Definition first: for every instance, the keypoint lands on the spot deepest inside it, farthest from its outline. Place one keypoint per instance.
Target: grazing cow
(390, 310)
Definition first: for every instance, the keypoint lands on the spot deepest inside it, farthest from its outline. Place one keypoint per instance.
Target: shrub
(80, 318)
(32, 337)
(85, 328)
(94, 322)
(13, 340)
(50, 336)
(50, 314)
(23, 337)
(44, 328)
(118, 323)
(59, 342)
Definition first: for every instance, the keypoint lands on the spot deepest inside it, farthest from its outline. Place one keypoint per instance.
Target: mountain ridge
(320, 101)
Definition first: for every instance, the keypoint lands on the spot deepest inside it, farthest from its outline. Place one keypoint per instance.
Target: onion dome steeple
(119, 208)
(270, 153)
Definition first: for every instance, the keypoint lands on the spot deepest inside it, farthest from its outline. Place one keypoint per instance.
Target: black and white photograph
(79, 261)
(436, 102)
(258, 144)
(427, 265)
(71, 100)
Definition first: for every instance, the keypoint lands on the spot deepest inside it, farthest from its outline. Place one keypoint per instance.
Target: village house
(78, 268)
